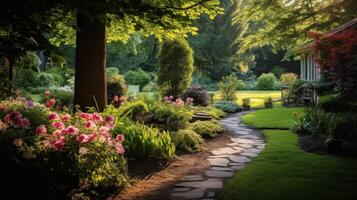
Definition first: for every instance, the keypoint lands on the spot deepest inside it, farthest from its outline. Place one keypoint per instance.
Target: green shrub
(266, 82)
(137, 77)
(63, 97)
(175, 67)
(25, 78)
(288, 78)
(178, 120)
(162, 111)
(227, 106)
(145, 142)
(206, 128)
(150, 87)
(133, 109)
(228, 87)
(214, 112)
(199, 95)
(111, 72)
(268, 102)
(116, 87)
(187, 140)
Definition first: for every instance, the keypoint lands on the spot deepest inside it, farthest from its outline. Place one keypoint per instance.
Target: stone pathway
(246, 143)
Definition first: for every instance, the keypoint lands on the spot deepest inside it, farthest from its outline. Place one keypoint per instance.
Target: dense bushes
(137, 77)
(175, 67)
(199, 95)
(206, 128)
(145, 142)
(228, 106)
(187, 140)
(266, 82)
(288, 78)
(133, 109)
(178, 120)
(228, 87)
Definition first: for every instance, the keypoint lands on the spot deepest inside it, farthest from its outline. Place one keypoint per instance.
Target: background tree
(229, 86)
(175, 67)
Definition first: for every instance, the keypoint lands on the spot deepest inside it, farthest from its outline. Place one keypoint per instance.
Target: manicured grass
(278, 118)
(283, 171)
(257, 97)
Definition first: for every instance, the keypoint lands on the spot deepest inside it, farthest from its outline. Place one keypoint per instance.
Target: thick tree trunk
(90, 74)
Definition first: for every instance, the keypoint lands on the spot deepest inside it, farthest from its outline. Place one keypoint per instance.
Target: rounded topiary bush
(116, 87)
(266, 82)
(199, 95)
(228, 106)
(187, 140)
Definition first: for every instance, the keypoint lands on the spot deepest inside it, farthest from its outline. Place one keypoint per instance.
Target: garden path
(246, 143)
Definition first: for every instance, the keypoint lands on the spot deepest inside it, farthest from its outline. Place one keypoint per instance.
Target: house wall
(309, 70)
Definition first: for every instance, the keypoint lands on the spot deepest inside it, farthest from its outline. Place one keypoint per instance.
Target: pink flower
(83, 150)
(92, 137)
(47, 93)
(58, 133)
(96, 117)
(58, 144)
(104, 131)
(116, 98)
(53, 116)
(122, 98)
(58, 125)
(41, 130)
(82, 138)
(120, 138)
(50, 103)
(84, 116)
(189, 100)
(171, 97)
(119, 148)
(66, 117)
(179, 102)
(25, 123)
(90, 125)
(72, 130)
(109, 119)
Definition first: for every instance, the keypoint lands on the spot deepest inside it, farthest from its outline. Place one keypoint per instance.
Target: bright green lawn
(257, 97)
(279, 118)
(285, 172)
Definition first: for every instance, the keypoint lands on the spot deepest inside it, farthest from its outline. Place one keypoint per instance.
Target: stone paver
(246, 144)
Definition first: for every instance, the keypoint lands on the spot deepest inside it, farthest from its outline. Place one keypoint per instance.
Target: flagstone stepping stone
(246, 144)
(220, 162)
(221, 169)
(192, 178)
(219, 174)
(212, 183)
(192, 194)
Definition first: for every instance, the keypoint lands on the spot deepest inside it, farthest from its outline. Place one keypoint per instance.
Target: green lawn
(257, 97)
(278, 118)
(285, 172)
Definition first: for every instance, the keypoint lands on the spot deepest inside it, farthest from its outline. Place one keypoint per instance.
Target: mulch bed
(156, 179)
(315, 144)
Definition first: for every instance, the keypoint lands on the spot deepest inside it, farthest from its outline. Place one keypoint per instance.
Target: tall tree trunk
(90, 74)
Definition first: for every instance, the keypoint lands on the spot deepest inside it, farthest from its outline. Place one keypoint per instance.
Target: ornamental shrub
(288, 78)
(175, 67)
(133, 109)
(145, 142)
(227, 106)
(228, 87)
(266, 81)
(206, 128)
(187, 140)
(178, 120)
(198, 94)
(137, 77)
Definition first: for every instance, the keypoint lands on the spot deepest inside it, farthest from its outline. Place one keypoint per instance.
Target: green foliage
(228, 87)
(175, 67)
(116, 87)
(187, 140)
(213, 111)
(227, 106)
(111, 72)
(145, 142)
(137, 77)
(199, 95)
(206, 128)
(266, 82)
(178, 120)
(162, 111)
(63, 97)
(133, 109)
(150, 87)
(268, 102)
(278, 71)
(25, 78)
(288, 78)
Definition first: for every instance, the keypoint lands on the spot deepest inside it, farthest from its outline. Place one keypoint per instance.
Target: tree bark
(90, 74)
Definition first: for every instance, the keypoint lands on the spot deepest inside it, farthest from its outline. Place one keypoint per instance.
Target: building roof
(349, 24)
